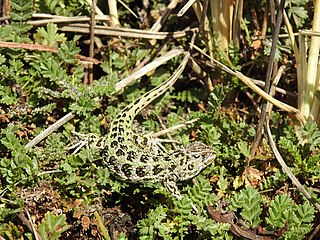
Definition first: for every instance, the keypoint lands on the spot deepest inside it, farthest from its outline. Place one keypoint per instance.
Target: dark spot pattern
(104, 152)
(173, 167)
(116, 168)
(131, 155)
(182, 162)
(120, 152)
(157, 169)
(127, 170)
(141, 171)
(115, 122)
(135, 103)
(120, 139)
(111, 160)
(123, 147)
(191, 167)
(143, 158)
(114, 135)
(114, 144)
(135, 137)
(177, 155)
(145, 140)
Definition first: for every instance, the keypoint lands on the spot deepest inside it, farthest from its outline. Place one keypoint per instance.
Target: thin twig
(314, 232)
(147, 68)
(97, 9)
(279, 90)
(185, 8)
(254, 87)
(37, 47)
(34, 230)
(269, 73)
(60, 19)
(273, 87)
(286, 169)
(49, 130)
(150, 57)
(4, 18)
(173, 128)
(29, 46)
(278, 156)
(29, 224)
(125, 32)
(163, 18)
(201, 73)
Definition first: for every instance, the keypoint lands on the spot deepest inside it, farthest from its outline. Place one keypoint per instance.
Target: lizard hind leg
(173, 188)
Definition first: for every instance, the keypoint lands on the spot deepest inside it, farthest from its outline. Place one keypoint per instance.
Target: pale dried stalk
(58, 19)
(185, 8)
(49, 130)
(311, 84)
(124, 32)
(147, 68)
(267, 97)
(256, 89)
(162, 19)
(201, 73)
(98, 11)
(91, 44)
(286, 169)
(113, 11)
(222, 12)
(171, 129)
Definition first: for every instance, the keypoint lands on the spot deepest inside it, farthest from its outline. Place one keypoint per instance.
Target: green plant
(177, 221)
(38, 87)
(283, 212)
(52, 226)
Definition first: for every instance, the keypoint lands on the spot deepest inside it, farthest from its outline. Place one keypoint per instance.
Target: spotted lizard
(135, 158)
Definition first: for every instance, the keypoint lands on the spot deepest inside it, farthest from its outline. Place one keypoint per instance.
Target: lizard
(134, 158)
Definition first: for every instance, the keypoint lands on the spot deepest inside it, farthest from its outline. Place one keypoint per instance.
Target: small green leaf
(50, 36)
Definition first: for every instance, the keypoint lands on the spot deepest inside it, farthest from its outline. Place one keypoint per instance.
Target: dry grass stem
(124, 32)
(147, 68)
(50, 130)
(58, 19)
(171, 129)
(256, 89)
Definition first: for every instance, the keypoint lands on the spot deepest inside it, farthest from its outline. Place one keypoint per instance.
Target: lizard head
(193, 159)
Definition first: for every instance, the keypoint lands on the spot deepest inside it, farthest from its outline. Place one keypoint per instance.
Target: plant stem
(313, 84)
